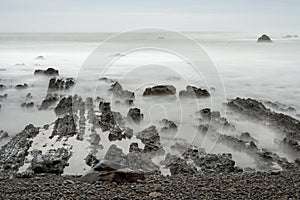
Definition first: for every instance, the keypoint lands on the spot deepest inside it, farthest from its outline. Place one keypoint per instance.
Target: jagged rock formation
(160, 90)
(56, 84)
(151, 139)
(118, 92)
(49, 101)
(245, 143)
(47, 72)
(194, 92)
(12, 154)
(64, 127)
(255, 110)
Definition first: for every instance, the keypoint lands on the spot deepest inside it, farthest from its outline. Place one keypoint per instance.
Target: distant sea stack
(264, 38)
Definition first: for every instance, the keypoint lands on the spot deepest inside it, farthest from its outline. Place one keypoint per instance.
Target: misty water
(264, 71)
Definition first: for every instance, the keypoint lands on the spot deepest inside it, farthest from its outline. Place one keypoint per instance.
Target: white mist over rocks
(267, 72)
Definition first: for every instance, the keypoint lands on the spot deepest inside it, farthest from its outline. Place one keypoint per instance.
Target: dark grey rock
(21, 86)
(49, 101)
(264, 38)
(64, 127)
(160, 90)
(135, 115)
(47, 72)
(193, 92)
(54, 161)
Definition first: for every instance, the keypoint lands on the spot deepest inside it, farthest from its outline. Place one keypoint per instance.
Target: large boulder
(264, 38)
(119, 176)
(54, 161)
(160, 90)
(47, 72)
(193, 92)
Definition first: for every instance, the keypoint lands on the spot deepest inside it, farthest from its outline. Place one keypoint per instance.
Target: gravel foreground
(259, 185)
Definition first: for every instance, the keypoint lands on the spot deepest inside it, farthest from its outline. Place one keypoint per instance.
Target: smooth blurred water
(266, 71)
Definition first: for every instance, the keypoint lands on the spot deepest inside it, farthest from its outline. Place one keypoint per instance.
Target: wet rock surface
(194, 92)
(160, 90)
(47, 72)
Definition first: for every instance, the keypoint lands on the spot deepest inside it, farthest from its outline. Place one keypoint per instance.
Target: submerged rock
(40, 58)
(56, 84)
(49, 101)
(47, 72)
(151, 139)
(21, 86)
(118, 91)
(27, 105)
(168, 126)
(255, 110)
(2, 87)
(3, 97)
(3, 135)
(194, 92)
(248, 138)
(160, 90)
(135, 115)
(264, 38)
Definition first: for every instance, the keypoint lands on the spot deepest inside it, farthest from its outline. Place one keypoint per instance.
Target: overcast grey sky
(121, 15)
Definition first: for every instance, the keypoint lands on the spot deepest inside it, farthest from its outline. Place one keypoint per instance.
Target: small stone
(155, 194)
